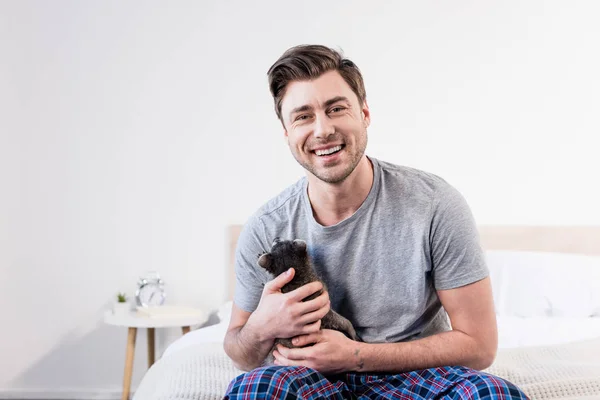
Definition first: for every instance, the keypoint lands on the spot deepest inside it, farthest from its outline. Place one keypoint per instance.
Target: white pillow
(544, 331)
(536, 284)
(224, 312)
(210, 334)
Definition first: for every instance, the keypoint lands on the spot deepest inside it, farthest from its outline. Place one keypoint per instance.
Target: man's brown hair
(306, 62)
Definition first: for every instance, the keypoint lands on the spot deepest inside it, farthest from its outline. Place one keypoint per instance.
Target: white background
(132, 133)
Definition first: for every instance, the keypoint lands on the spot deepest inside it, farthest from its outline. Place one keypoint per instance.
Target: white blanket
(568, 371)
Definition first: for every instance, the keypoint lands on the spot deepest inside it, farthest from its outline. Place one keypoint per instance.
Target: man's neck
(333, 203)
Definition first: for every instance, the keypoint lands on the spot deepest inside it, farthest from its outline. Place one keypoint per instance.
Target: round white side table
(132, 321)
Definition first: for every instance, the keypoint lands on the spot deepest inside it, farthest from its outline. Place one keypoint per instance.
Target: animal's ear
(275, 241)
(265, 260)
(299, 245)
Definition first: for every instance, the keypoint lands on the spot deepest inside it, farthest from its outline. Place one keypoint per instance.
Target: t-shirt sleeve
(249, 280)
(456, 254)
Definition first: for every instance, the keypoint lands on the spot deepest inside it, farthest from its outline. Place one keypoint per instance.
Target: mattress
(202, 371)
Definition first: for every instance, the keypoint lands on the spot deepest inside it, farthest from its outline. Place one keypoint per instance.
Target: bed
(546, 285)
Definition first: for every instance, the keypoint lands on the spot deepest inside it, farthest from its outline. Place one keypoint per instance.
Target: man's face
(326, 126)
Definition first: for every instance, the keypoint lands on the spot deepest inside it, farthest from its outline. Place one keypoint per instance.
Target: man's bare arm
(250, 336)
(473, 341)
(243, 344)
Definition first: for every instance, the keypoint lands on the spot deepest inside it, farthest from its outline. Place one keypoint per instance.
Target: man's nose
(323, 127)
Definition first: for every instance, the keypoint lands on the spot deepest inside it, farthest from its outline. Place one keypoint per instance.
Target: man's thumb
(280, 281)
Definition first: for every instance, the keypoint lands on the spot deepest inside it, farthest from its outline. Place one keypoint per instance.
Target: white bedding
(544, 331)
(211, 334)
(568, 371)
(512, 331)
(547, 357)
(548, 313)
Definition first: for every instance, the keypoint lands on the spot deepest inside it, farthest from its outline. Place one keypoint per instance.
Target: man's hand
(331, 353)
(285, 315)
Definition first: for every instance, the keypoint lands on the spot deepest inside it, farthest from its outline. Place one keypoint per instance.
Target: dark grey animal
(286, 254)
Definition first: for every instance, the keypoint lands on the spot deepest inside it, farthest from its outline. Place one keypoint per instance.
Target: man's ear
(265, 260)
(285, 132)
(366, 114)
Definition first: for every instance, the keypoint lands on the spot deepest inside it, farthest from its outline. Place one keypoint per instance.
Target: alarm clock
(150, 291)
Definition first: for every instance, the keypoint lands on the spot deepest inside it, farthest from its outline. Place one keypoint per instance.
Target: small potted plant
(122, 306)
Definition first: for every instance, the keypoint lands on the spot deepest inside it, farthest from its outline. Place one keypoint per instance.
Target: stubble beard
(329, 176)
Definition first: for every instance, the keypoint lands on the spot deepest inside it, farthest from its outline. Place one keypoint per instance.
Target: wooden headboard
(557, 239)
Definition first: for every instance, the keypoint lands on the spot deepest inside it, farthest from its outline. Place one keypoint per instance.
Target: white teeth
(328, 151)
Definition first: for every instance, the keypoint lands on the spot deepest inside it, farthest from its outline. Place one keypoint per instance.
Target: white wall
(133, 132)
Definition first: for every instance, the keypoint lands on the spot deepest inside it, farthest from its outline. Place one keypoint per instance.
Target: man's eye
(337, 109)
(301, 117)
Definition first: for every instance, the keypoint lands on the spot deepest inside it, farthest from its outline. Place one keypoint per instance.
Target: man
(397, 248)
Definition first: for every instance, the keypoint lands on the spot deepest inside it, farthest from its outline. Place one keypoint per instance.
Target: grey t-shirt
(413, 234)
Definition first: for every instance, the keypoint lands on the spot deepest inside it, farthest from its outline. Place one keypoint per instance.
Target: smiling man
(397, 247)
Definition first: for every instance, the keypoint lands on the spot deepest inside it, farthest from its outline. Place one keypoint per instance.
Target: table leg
(150, 347)
(129, 363)
(185, 329)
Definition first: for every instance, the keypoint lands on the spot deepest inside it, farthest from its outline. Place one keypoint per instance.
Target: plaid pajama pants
(277, 382)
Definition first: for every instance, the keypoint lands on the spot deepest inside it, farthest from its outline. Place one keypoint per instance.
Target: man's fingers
(304, 291)
(315, 315)
(285, 362)
(276, 284)
(293, 354)
(305, 340)
(315, 304)
(312, 328)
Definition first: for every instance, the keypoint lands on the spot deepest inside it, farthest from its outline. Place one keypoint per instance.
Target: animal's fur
(286, 254)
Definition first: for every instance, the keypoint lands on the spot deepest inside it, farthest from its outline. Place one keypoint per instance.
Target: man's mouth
(328, 151)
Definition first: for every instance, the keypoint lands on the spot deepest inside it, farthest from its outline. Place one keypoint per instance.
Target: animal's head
(285, 254)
